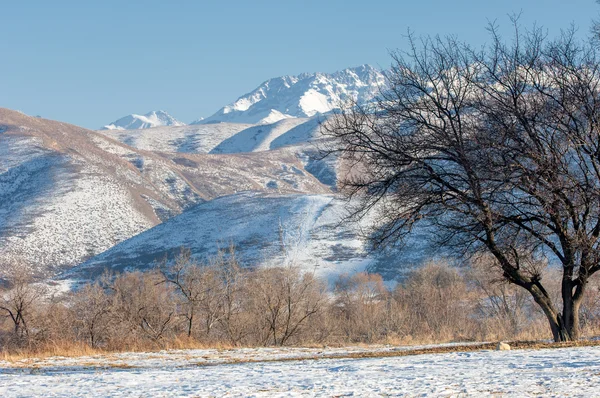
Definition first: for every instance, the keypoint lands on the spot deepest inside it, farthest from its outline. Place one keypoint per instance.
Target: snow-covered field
(203, 373)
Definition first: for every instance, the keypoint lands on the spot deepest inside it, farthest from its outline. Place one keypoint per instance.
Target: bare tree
(143, 305)
(91, 308)
(436, 295)
(361, 300)
(20, 297)
(234, 295)
(496, 150)
(285, 299)
(199, 287)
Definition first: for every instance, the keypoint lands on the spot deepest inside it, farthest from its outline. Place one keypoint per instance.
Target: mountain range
(74, 202)
(302, 96)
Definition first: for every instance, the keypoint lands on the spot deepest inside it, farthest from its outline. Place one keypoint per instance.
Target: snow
(301, 96)
(274, 116)
(313, 102)
(52, 224)
(254, 223)
(573, 372)
(201, 138)
(220, 137)
(258, 138)
(150, 119)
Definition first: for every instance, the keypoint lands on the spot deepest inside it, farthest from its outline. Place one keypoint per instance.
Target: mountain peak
(304, 95)
(149, 120)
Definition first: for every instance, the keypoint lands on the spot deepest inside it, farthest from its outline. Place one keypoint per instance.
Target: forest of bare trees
(219, 304)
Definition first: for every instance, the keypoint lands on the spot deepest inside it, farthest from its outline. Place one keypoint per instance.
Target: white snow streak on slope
(252, 222)
(557, 372)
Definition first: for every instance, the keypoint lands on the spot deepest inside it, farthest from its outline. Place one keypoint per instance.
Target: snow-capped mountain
(149, 120)
(305, 95)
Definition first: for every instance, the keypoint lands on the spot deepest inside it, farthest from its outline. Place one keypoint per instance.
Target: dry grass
(70, 349)
(61, 349)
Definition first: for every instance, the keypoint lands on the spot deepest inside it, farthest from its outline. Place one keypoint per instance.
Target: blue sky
(91, 62)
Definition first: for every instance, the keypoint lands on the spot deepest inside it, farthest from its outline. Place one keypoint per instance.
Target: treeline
(219, 303)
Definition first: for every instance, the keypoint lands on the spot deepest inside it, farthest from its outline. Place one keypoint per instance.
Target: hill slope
(67, 193)
(265, 229)
(200, 138)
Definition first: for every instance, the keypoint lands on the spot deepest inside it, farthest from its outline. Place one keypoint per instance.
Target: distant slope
(67, 193)
(255, 224)
(259, 138)
(305, 95)
(265, 229)
(201, 138)
(221, 137)
(149, 120)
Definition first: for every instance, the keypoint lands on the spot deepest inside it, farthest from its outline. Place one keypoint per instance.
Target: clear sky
(91, 62)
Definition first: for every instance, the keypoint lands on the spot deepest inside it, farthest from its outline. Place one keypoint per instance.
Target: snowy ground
(200, 373)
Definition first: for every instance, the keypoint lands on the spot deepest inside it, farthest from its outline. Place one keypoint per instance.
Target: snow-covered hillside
(199, 138)
(149, 120)
(267, 230)
(255, 224)
(221, 137)
(271, 136)
(305, 95)
(67, 194)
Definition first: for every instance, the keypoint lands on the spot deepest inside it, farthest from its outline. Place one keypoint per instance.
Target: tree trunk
(565, 326)
(570, 315)
(190, 325)
(555, 319)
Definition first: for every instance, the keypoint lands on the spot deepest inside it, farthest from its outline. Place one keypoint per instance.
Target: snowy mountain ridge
(149, 120)
(305, 95)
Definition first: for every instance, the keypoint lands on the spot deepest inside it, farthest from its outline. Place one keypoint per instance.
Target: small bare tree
(285, 299)
(20, 297)
(497, 299)
(234, 296)
(199, 287)
(91, 309)
(143, 305)
(361, 300)
(437, 300)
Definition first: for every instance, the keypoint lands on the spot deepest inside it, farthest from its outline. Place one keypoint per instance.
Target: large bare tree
(496, 150)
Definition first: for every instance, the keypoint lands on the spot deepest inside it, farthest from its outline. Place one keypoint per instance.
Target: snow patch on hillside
(54, 225)
(257, 138)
